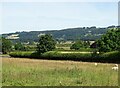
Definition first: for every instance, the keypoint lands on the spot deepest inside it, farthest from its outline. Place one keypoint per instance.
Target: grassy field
(30, 72)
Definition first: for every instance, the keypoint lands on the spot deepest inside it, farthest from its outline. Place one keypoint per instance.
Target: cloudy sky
(38, 16)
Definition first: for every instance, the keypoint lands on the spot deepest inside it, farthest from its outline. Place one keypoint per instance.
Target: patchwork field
(30, 72)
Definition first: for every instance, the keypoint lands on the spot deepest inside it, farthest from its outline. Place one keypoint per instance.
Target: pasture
(32, 72)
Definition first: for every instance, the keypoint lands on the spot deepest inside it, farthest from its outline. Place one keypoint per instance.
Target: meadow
(33, 72)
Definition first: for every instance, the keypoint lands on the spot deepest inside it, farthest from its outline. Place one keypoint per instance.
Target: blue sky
(38, 16)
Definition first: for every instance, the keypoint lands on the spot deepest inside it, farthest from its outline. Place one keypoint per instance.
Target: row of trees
(7, 46)
(108, 42)
(45, 43)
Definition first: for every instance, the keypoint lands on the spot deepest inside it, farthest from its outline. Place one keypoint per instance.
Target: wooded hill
(83, 33)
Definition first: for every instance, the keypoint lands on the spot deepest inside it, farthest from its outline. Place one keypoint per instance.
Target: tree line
(108, 42)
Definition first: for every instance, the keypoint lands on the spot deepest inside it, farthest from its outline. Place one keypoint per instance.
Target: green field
(30, 72)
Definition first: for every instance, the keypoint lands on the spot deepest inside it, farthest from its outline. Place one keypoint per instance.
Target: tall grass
(27, 72)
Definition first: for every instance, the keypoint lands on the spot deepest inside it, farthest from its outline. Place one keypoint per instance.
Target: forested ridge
(83, 33)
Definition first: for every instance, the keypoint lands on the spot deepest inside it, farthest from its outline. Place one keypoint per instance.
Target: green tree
(86, 44)
(110, 41)
(46, 43)
(79, 44)
(6, 46)
(19, 47)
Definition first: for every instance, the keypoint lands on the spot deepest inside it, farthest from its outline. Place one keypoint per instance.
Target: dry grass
(30, 72)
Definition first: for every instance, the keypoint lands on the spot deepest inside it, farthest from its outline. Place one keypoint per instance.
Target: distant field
(30, 72)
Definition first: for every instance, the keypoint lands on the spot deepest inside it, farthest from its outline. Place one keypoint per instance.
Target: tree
(46, 43)
(6, 46)
(19, 46)
(86, 44)
(79, 44)
(110, 41)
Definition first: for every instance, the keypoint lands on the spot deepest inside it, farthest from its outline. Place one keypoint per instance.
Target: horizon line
(59, 29)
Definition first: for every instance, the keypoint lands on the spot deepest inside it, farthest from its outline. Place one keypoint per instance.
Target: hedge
(112, 57)
(24, 54)
(66, 56)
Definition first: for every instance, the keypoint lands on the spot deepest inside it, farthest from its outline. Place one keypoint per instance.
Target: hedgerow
(21, 54)
(66, 56)
(57, 55)
(113, 56)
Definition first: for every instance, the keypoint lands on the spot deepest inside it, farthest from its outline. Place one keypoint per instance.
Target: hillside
(84, 33)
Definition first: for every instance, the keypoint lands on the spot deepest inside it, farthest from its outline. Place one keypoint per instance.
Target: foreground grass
(29, 72)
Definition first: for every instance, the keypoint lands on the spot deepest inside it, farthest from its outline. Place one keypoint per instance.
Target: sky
(39, 16)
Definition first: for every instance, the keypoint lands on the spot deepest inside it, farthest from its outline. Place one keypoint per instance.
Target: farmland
(33, 72)
(71, 66)
(59, 44)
